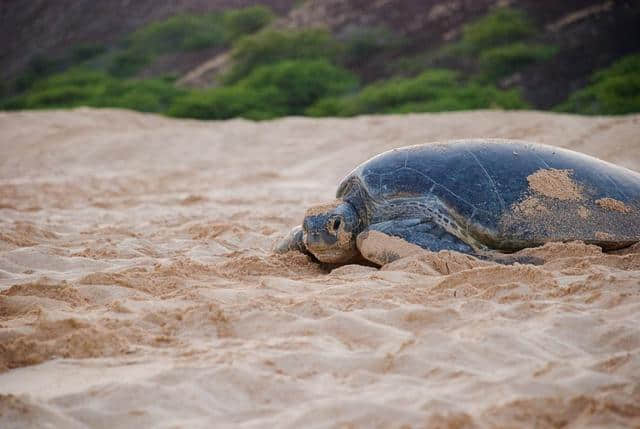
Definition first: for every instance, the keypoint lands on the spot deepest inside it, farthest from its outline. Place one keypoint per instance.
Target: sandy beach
(138, 287)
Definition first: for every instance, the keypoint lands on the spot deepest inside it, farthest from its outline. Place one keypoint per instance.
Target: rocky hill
(563, 45)
(589, 34)
(43, 27)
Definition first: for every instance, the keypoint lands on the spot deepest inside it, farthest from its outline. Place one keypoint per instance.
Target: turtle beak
(313, 239)
(316, 235)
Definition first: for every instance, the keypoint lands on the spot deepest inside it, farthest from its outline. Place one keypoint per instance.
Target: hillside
(589, 34)
(507, 54)
(42, 27)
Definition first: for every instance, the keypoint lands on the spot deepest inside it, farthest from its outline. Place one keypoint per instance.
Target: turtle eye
(336, 224)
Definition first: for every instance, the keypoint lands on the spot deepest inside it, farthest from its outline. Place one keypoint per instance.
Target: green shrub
(13, 103)
(334, 106)
(433, 90)
(612, 91)
(86, 51)
(245, 21)
(65, 96)
(301, 83)
(270, 46)
(491, 47)
(41, 66)
(183, 33)
(149, 95)
(37, 68)
(428, 85)
(363, 43)
(412, 65)
(380, 97)
(467, 97)
(75, 87)
(179, 33)
(78, 76)
(284, 88)
(502, 26)
(83, 87)
(129, 62)
(628, 65)
(228, 102)
(507, 59)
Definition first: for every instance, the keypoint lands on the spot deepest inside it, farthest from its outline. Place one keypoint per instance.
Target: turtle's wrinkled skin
(475, 197)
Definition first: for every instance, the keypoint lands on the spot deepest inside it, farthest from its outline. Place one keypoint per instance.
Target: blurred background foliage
(271, 71)
(614, 90)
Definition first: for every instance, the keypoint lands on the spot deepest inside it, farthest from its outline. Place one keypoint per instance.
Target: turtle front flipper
(385, 242)
(293, 241)
(388, 241)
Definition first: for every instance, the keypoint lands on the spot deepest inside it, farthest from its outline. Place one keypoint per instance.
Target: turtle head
(330, 232)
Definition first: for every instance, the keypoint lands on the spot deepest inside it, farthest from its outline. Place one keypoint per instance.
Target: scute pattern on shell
(506, 194)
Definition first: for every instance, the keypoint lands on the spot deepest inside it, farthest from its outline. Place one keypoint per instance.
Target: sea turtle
(481, 197)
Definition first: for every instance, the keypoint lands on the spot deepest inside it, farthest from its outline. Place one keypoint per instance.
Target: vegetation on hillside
(184, 33)
(311, 72)
(271, 47)
(180, 33)
(501, 27)
(280, 89)
(86, 87)
(501, 44)
(432, 91)
(614, 90)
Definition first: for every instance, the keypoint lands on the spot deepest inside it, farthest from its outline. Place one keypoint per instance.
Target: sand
(555, 184)
(138, 287)
(613, 204)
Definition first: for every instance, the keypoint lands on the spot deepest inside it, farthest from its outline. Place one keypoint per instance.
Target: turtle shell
(506, 194)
